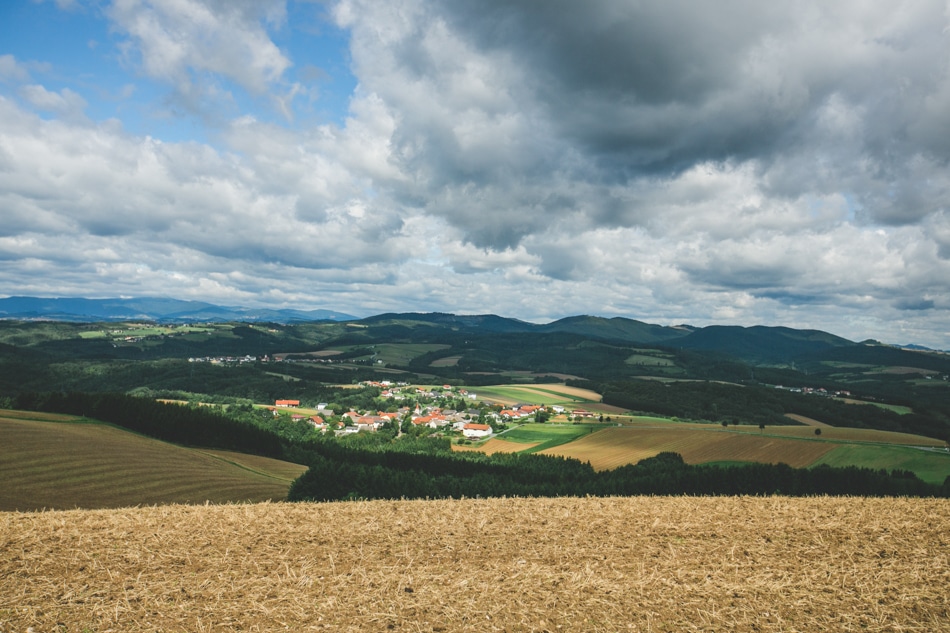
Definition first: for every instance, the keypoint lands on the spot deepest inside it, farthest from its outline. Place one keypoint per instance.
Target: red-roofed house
(476, 430)
(287, 403)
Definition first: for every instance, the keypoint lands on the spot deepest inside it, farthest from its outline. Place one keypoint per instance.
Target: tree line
(754, 404)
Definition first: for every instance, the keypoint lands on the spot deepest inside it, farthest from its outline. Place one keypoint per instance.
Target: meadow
(543, 436)
(647, 564)
(64, 462)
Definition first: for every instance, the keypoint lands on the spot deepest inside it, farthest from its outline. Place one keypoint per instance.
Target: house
(471, 430)
(287, 403)
(369, 422)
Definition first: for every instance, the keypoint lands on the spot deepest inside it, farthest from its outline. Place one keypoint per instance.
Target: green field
(124, 330)
(547, 435)
(55, 462)
(896, 408)
(931, 466)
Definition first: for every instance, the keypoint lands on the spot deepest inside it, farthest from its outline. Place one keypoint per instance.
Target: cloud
(192, 44)
(65, 103)
(11, 70)
(508, 109)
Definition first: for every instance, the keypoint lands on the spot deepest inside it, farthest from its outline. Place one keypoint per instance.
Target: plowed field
(634, 564)
(61, 464)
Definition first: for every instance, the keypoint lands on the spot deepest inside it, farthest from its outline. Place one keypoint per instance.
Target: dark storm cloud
(654, 88)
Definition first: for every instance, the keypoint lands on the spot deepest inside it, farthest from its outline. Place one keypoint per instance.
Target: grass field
(123, 330)
(932, 467)
(648, 564)
(58, 464)
(544, 436)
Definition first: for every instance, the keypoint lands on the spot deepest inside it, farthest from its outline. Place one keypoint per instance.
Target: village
(432, 410)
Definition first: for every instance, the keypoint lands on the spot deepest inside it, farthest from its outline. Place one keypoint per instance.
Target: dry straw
(630, 564)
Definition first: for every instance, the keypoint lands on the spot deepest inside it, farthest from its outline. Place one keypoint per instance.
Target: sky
(738, 162)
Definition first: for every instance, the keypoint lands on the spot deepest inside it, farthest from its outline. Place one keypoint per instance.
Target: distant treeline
(753, 404)
(369, 475)
(383, 466)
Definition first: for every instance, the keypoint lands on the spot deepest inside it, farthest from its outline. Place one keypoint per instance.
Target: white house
(473, 430)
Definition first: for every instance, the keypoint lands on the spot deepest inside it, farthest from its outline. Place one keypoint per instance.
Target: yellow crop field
(67, 465)
(552, 393)
(572, 392)
(617, 446)
(645, 564)
(845, 434)
(807, 421)
(12, 414)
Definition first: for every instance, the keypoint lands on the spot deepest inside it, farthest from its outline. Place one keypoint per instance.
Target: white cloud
(11, 70)
(191, 43)
(65, 103)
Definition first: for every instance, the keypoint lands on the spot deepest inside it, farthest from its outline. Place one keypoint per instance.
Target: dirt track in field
(494, 445)
(632, 564)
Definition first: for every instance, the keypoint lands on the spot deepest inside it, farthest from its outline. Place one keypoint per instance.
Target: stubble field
(615, 564)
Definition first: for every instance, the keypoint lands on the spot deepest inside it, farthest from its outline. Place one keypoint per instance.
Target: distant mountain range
(79, 310)
(760, 343)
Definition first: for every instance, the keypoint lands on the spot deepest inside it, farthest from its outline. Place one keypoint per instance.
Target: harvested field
(12, 414)
(634, 564)
(617, 446)
(89, 465)
(448, 361)
(553, 393)
(807, 421)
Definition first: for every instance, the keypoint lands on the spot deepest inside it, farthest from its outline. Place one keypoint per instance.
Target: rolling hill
(60, 462)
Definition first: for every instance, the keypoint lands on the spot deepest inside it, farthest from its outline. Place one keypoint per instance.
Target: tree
(761, 427)
(817, 431)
